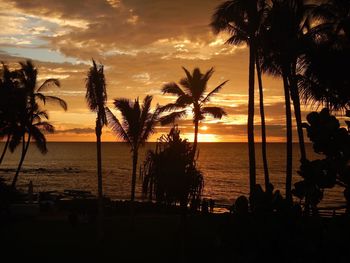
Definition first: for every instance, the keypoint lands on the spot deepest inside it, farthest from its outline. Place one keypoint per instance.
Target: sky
(143, 44)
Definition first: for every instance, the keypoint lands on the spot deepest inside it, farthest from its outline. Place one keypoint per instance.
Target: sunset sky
(143, 44)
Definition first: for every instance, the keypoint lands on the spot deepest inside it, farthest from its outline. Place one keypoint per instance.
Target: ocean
(225, 167)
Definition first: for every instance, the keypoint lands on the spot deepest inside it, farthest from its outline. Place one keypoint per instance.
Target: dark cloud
(76, 131)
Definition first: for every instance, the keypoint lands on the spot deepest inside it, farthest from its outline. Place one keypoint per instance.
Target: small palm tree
(192, 94)
(32, 118)
(138, 123)
(96, 97)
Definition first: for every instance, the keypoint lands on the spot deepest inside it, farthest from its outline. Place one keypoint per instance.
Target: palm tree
(263, 124)
(324, 78)
(32, 118)
(284, 35)
(335, 16)
(242, 19)
(138, 123)
(192, 94)
(8, 111)
(96, 97)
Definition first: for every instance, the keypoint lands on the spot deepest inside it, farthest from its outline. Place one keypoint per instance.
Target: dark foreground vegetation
(162, 234)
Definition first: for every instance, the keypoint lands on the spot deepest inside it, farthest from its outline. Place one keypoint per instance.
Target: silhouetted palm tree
(9, 109)
(242, 20)
(32, 118)
(325, 79)
(284, 34)
(192, 94)
(138, 123)
(96, 97)
(263, 124)
(335, 16)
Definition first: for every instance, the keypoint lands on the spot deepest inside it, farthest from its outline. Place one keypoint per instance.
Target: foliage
(170, 174)
(20, 109)
(332, 141)
(136, 126)
(96, 94)
(192, 93)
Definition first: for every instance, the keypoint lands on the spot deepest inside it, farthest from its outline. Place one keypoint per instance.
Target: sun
(204, 128)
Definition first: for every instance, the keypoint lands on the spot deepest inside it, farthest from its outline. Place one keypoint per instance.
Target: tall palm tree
(263, 124)
(284, 34)
(8, 109)
(96, 97)
(335, 16)
(32, 119)
(192, 93)
(242, 19)
(325, 78)
(135, 127)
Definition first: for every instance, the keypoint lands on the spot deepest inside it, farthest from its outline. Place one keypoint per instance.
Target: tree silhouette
(137, 124)
(324, 79)
(96, 97)
(12, 104)
(170, 174)
(284, 35)
(242, 19)
(331, 140)
(192, 94)
(32, 119)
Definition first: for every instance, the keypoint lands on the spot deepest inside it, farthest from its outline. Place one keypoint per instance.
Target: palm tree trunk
(251, 144)
(99, 181)
(133, 179)
(25, 147)
(263, 127)
(289, 157)
(133, 187)
(297, 113)
(195, 142)
(5, 149)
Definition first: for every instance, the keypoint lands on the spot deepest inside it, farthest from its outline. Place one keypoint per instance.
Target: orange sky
(143, 44)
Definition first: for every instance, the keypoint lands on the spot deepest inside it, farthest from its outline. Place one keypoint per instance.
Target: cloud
(76, 131)
(143, 45)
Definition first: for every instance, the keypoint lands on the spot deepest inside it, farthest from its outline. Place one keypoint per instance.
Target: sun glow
(202, 137)
(204, 128)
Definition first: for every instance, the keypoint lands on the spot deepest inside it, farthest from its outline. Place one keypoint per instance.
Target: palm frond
(39, 138)
(58, 100)
(95, 83)
(125, 107)
(150, 125)
(169, 107)
(172, 117)
(49, 83)
(184, 101)
(116, 127)
(45, 126)
(146, 106)
(214, 91)
(208, 75)
(46, 98)
(216, 112)
(16, 139)
(172, 88)
(188, 74)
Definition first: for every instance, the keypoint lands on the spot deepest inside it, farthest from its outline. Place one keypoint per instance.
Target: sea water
(225, 166)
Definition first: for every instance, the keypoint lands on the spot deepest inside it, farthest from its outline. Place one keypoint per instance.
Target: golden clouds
(143, 44)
